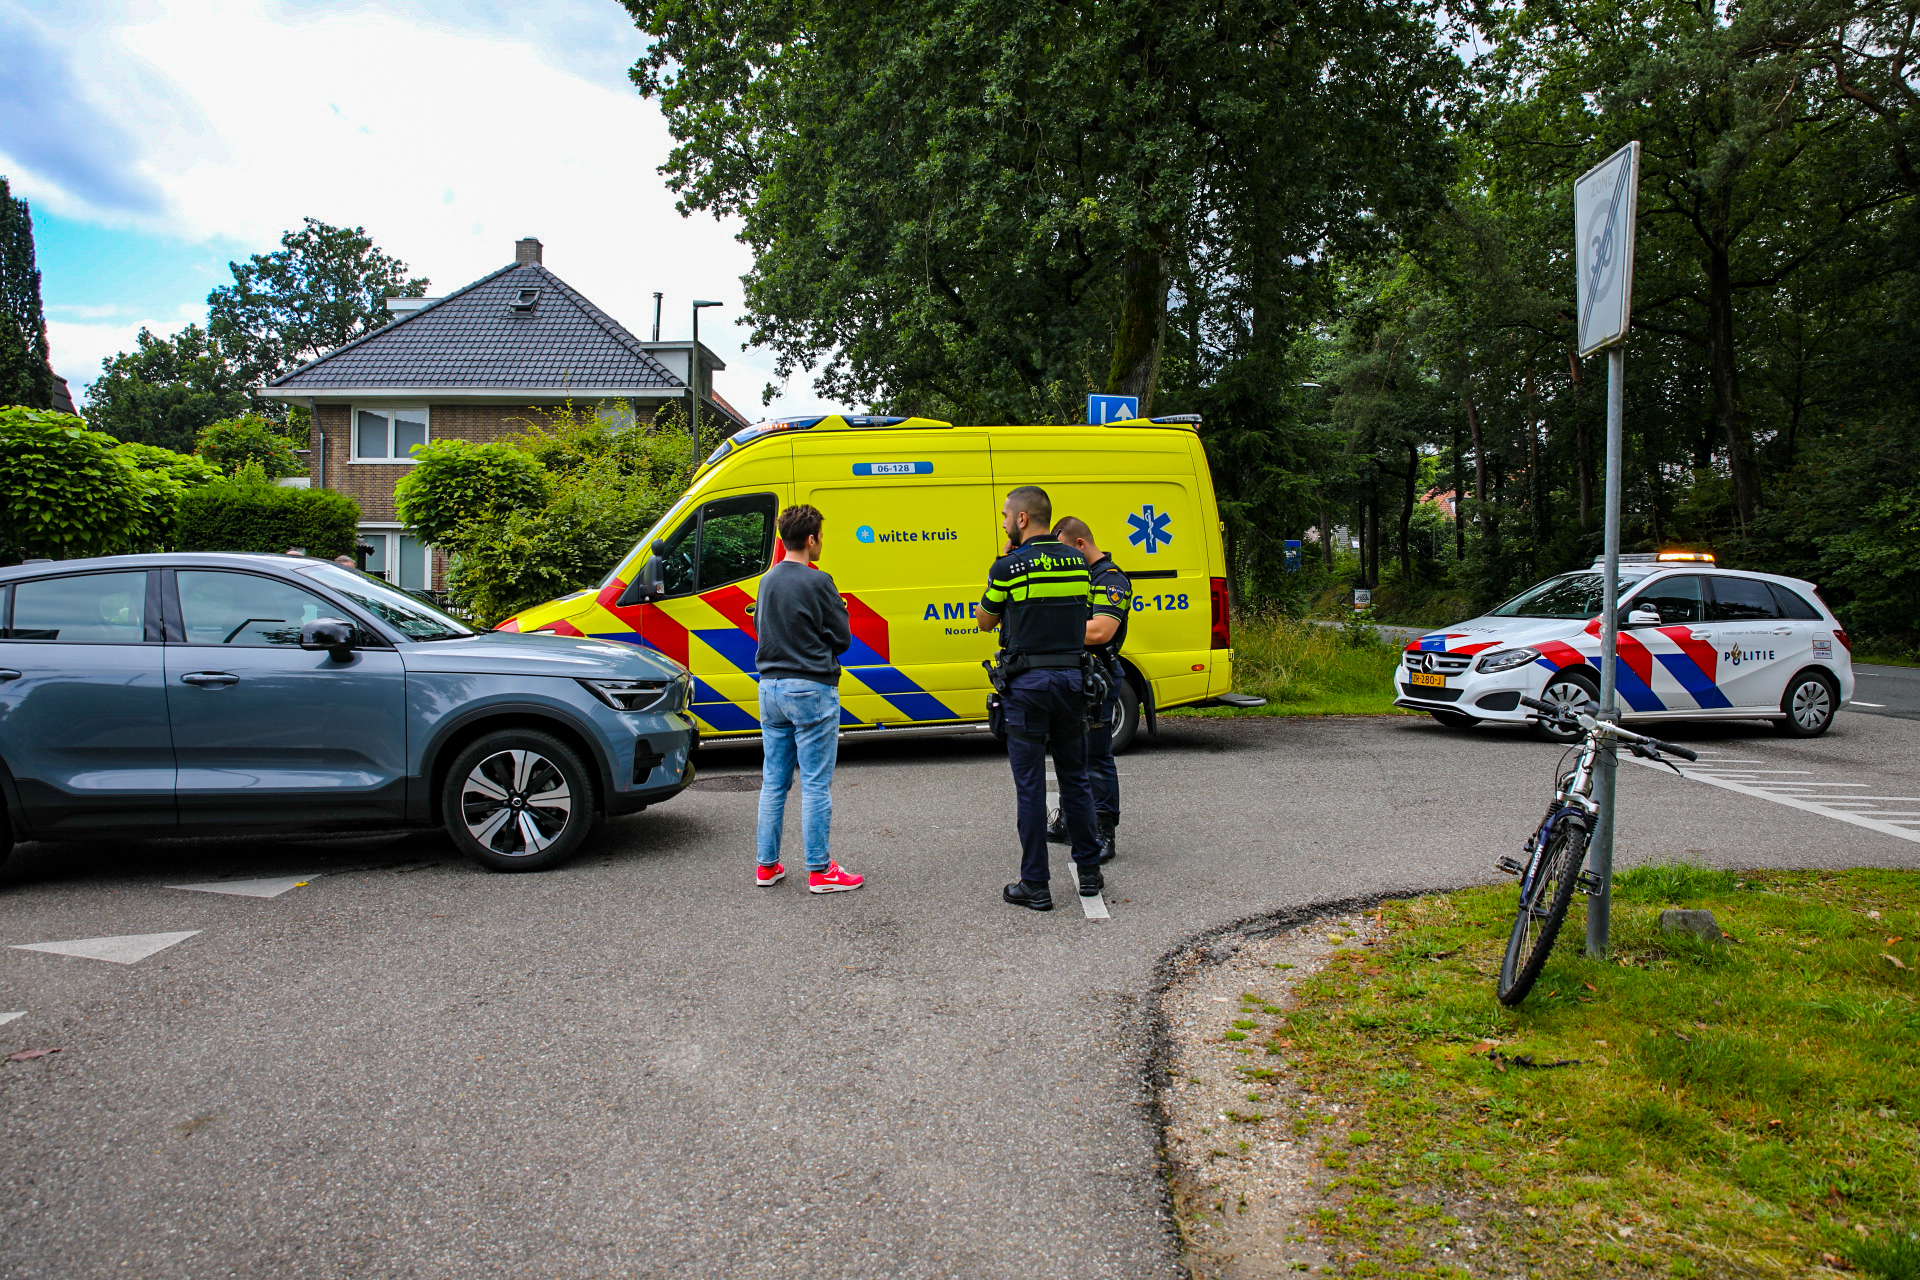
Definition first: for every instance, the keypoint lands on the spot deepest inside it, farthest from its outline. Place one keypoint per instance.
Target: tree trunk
(1142, 331)
(1406, 517)
(1459, 500)
(1582, 441)
(1479, 462)
(1735, 429)
(1373, 531)
(1326, 533)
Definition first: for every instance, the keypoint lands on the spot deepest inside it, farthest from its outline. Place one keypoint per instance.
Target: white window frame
(391, 533)
(387, 411)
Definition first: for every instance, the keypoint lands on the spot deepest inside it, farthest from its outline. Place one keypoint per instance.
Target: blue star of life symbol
(1150, 529)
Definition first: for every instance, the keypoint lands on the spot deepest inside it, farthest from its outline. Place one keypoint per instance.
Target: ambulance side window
(736, 539)
(1677, 601)
(676, 563)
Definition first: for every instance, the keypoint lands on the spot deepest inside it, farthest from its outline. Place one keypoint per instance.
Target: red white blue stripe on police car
(1693, 667)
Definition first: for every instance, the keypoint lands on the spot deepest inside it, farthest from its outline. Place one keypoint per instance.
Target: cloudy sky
(160, 139)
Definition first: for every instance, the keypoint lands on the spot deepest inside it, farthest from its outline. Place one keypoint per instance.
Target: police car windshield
(413, 617)
(1571, 596)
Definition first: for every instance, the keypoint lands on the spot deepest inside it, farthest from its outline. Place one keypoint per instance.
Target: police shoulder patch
(1117, 595)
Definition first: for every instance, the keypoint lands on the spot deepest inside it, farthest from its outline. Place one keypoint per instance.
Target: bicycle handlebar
(1565, 715)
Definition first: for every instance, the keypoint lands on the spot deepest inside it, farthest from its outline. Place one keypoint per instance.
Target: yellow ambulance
(912, 511)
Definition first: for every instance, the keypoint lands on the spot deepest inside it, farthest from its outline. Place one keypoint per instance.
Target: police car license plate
(1430, 677)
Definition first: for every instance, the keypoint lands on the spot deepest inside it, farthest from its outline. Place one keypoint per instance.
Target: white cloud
(446, 140)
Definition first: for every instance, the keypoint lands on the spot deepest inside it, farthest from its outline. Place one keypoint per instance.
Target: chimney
(525, 251)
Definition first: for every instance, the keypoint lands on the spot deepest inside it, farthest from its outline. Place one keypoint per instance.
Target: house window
(399, 558)
(388, 434)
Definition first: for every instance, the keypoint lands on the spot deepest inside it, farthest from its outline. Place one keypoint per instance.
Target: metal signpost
(1104, 409)
(1605, 201)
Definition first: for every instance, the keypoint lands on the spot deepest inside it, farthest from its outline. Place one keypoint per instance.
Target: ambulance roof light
(1171, 420)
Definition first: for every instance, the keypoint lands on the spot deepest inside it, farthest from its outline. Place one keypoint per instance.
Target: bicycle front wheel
(1542, 910)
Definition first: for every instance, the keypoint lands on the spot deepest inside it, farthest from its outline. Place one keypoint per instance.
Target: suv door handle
(1783, 631)
(209, 679)
(1701, 635)
(8, 674)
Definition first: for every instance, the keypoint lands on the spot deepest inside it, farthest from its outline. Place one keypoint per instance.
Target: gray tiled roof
(471, 339)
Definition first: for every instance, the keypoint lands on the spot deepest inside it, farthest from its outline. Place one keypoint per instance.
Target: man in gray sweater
(803, 628)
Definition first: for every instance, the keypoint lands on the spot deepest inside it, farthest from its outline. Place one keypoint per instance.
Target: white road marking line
(1094, 908)
(123, 950)
(5, 1018)
(1857, 703)
(271, 887)
(1796, 802)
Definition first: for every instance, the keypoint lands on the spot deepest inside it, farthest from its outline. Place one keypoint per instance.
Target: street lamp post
(693, 374)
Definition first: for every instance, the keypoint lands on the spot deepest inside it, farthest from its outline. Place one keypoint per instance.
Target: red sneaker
(833, 880)
(764, 876)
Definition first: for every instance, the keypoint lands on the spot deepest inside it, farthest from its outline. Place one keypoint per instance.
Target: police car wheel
(1129, 727)
(1808, 703)
(1575, 693)
(1455, 719)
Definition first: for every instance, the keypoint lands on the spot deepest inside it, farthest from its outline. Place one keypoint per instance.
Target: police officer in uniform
(1040, 588)
(1106, 635)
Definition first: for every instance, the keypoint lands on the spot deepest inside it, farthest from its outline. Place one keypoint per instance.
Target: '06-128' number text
(1159, 602)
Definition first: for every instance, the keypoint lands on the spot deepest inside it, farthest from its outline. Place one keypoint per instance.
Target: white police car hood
(1486, 634)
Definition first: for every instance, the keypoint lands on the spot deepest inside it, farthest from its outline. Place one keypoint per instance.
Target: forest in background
(1342, 232)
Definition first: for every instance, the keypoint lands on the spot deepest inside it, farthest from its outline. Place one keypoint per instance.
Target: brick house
(482, 363)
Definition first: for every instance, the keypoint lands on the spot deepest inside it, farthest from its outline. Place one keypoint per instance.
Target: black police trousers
(1045, 709)
(1101, 773)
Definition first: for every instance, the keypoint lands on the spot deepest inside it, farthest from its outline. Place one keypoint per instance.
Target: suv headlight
(640, 695)
(1506, 660)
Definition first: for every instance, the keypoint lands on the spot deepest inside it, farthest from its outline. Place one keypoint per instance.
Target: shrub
(232, 443)
(250, 513)
(523, 557)
(547, 512)
(454, 482)
(190, 471)
(65, 492)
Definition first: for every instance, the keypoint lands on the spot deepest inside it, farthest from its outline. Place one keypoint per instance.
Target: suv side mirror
(1643, 618)
(330, 634)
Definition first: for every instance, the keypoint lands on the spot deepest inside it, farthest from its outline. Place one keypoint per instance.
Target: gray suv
(189, 694)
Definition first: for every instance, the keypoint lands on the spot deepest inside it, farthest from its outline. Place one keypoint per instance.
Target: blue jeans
(799, 723)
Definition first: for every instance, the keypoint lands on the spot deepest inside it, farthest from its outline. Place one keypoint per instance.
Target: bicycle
(1557, 850)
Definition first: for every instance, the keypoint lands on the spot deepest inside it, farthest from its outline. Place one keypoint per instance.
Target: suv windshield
(413, 617)
(1572, 596)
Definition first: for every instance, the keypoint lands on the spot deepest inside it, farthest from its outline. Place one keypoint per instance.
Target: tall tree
(26, 376)
(981, 206)
(166, 390)
(324, 287)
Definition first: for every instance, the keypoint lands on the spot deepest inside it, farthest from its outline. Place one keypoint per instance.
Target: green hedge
(248, 514)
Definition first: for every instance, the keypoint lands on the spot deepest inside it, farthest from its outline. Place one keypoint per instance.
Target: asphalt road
(641, 1065)
(1887, 691)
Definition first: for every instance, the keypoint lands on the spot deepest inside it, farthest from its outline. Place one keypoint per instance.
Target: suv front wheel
(517, 800)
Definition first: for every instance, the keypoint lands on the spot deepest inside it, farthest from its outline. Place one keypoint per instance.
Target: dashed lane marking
(271, 887)
(1810, 796)
(130, 949)
(1094, 908)
(5, 1018)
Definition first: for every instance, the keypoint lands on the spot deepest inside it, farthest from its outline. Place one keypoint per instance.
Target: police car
(1696, 642)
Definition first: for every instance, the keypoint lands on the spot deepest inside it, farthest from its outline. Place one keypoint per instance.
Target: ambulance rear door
(1136, 490)
(912, 526)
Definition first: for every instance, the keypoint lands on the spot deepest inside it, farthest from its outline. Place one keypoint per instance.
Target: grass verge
(1743, 1109)
(1304, 670)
